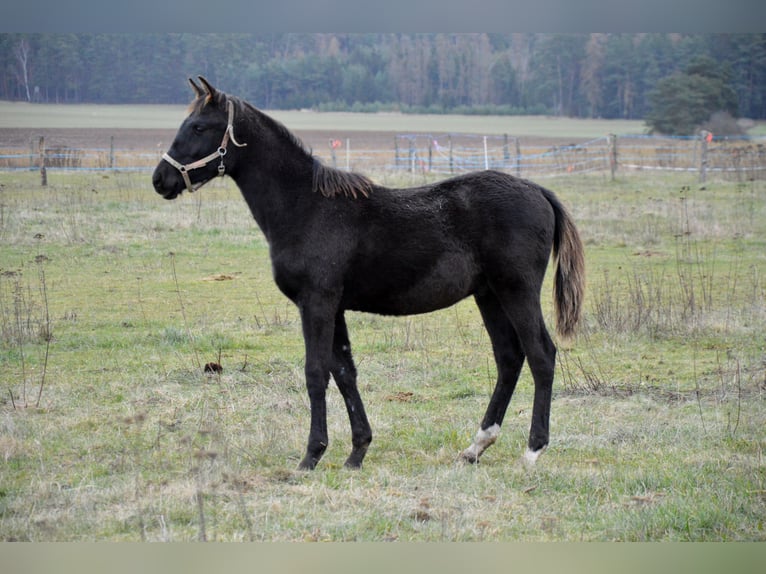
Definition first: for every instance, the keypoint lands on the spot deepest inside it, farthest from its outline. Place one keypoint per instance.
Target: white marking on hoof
(483, 438)
(531, 456)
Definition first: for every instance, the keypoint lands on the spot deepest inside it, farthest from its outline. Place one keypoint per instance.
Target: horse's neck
(277, 196)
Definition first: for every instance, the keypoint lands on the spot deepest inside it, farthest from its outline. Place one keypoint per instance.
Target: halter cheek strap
(219, 153)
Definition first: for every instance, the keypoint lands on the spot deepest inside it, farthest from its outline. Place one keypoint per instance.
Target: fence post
(348, 154)
(396, 152)
(111, 152)
(43, 171)
(613, 154)
(451, 164)
(430, 153)
(518, 157)
(506, 153)
(486, 157)
(332, 153)
(705, 137)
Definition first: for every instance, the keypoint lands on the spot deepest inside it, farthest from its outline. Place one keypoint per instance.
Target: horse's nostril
(157, 181)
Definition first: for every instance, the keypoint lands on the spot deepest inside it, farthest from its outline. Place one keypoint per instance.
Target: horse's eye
(198, 129)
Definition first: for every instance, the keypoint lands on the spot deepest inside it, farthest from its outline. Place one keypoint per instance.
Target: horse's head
(200, 150)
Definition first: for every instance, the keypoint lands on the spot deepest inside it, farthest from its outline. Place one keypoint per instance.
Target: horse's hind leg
(344, 373)
(523, 309)
(509, 358)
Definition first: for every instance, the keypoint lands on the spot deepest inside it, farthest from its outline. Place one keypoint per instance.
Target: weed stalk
(202, 535)
(183, 309)
(697, 390)
(46, 331)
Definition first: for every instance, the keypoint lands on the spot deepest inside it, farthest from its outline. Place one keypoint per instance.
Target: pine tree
(681, 103)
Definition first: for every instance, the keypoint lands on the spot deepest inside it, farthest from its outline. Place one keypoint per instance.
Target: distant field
(39, 116)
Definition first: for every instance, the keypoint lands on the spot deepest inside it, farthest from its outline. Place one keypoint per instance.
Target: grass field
(40, 116)
(112, 301)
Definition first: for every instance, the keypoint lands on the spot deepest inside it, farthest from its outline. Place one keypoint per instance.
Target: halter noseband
(219, 153)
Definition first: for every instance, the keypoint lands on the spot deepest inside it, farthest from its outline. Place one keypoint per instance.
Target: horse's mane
(328, 181)
(332, 182)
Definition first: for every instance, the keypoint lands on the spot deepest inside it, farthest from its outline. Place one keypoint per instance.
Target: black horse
(340, 242)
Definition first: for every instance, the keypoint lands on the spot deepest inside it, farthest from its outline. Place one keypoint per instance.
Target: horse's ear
(211, 91)
(197, 90)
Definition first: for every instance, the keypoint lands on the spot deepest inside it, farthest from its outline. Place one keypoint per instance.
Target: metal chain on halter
(219, 153)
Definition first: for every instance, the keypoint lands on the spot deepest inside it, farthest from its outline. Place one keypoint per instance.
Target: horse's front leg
(344, 373)
(318, 325)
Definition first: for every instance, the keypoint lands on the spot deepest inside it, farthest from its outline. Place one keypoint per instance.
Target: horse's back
(486, 210)
(425, 248)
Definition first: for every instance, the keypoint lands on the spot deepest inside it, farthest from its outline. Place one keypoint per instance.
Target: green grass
(81, 116)
(109, 309)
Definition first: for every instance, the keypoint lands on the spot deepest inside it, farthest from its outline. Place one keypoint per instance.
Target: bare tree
(591, 72)
(21, 51)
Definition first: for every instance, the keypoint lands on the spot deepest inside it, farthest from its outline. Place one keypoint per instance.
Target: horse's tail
(569, 280)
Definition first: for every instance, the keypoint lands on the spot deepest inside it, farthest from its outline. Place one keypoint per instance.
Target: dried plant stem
(739, 398)
(18, 304)
(47, 333)
(202, 536)
(697, 390)
(183, 309)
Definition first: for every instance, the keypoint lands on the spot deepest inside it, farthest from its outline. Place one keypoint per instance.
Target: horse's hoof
(307, 464)
(468, 457)
(531, 456)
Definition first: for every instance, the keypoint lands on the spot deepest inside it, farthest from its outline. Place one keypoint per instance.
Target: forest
(604, 75)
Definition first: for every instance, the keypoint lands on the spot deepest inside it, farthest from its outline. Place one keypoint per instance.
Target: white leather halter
(219, 153)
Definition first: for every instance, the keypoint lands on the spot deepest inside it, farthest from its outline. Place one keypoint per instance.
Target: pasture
(112, 301)
(91, 116)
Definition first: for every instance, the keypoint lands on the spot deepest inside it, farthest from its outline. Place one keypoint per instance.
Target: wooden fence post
(111, 152)
(705, 137)
(612, 139)
(332, 153)
(518, 157)
(43, 171)
(430, 154)
(451, 164)
(348, 154)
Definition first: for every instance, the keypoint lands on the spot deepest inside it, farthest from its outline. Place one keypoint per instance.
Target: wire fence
(462, 153)
(738, 159)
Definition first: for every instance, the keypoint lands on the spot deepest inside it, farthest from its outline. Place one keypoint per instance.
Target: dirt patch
(144, 139)
(365, 151)
(87, 138)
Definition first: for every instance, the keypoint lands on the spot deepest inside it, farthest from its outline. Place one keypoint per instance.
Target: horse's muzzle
(168, 187)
